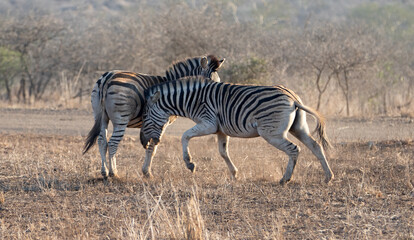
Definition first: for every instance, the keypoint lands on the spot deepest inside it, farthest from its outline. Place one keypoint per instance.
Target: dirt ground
(49, 190)
(78, 123)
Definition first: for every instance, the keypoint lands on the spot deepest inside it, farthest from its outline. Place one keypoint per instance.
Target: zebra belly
(249, 132)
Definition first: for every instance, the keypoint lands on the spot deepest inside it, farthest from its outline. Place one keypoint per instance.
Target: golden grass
(48, 190)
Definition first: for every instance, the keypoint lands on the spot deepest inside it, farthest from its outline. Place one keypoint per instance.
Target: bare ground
(49, 190)
(74, 122)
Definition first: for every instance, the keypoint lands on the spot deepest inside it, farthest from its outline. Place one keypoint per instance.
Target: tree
(353, 53)
(32, 38)
(316, 52)
(335, 51)
(10, 66)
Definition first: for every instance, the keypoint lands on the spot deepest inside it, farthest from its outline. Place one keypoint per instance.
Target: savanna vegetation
(47, 191)
(351, 57)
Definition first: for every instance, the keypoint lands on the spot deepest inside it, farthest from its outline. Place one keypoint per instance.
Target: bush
(252, 70)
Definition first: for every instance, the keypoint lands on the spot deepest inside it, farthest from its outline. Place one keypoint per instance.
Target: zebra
(230, 110)
(119, 96)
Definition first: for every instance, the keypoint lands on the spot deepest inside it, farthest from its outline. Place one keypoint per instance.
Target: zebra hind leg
(117, 135)
(103, 146)
(300, 130)
(316, 149)
(223, 143)
(291, 149)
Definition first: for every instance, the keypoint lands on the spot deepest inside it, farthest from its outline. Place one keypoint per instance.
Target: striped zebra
(234, 111)
(119, 96)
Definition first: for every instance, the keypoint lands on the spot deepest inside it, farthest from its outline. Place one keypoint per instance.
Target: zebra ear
(221, 63)
(155, 96)
(204, 62)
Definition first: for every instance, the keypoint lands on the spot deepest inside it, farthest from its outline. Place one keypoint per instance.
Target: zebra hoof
(283, 181)
(329, 179)
(191, 166)
(114, 175)
(234, 175)
(147, 175)
(104, 175)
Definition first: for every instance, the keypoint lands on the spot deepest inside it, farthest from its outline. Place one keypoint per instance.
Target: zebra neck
(186, 68)
(185, 98)
(171, 75)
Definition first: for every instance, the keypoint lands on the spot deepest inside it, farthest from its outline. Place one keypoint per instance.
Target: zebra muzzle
(144, 140)
(155, 140)
(147, 141)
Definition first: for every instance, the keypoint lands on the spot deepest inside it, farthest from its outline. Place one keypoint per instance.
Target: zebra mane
(179, 69)
(150, 90)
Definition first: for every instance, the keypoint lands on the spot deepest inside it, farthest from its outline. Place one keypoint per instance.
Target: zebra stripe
(234, 111)
(118, 96)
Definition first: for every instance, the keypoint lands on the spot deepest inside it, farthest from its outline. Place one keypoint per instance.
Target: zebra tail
(93, 133)
(320, 125)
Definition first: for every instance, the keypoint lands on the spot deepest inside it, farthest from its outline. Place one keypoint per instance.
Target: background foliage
(343, 57)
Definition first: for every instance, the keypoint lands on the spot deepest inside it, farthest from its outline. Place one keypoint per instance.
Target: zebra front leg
(116, 137)
(152, 149)
(196, 131)
(223, 143)
(149, 154)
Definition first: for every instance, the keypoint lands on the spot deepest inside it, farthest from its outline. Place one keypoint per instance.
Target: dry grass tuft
(1, 198)
(52, 191)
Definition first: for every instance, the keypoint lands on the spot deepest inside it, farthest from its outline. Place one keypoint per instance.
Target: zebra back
(124, 81)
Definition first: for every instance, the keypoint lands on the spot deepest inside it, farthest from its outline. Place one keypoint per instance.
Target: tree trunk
(319, 101)
(318, 79)
(384, 102)
(8, 90)
(321, 89)
(80, 95)
(22, 90)
(347, 91)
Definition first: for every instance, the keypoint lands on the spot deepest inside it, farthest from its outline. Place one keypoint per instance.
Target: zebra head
(210, 65)
(155, 119)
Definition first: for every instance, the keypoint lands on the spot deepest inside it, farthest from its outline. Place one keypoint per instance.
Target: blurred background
(344, 57)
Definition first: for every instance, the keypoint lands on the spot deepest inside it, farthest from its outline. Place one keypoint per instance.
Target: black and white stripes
(236, 111)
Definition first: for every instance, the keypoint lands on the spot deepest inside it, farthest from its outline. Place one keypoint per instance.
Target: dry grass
(48, 190)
